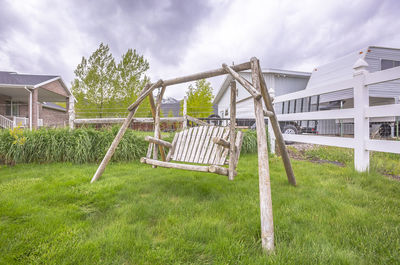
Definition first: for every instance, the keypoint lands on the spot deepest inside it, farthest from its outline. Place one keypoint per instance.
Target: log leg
(153, 113)
(232, 133)
(267, 225)
(121, 133)
(157, 130)
(277, 131)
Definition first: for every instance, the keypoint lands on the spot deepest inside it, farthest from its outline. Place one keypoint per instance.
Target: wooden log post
(267, 224)
(232, 133)
(122, 131)
(184, 124)
(277, 131)
(154, 114)
(157, 130)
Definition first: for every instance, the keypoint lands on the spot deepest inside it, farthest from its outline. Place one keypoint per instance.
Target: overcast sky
(181, 37)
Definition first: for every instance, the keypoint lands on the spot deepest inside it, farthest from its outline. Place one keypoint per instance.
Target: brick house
(29, 100)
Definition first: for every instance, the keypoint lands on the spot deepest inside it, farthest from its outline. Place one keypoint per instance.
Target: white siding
(245, 109)
(286, 84)
(282, 84)
(342, 69)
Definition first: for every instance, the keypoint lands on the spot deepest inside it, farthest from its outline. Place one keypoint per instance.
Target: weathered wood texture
(196, 145)
(120, 134)
(232, 134)
(222, 142)
(189, 78)
(207, 74)
(267, 225)
(145, 93)
(155, 112)
(268, 113)
(212, 169)
(242, 81)
(121, 120)
(195, 120)
(155, 140)
(277, 131)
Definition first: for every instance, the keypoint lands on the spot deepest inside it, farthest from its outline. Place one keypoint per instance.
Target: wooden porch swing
(212, 146)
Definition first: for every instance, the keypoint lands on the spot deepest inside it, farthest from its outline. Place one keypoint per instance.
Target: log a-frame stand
(258, 90)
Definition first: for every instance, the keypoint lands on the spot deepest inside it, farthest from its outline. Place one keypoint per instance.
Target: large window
(386, 64)
(12, 108)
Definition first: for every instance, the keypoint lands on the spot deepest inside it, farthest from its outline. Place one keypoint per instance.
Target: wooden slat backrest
(192, 142)
(220, 149)
(201, 143)
(204, 146)
(196, 145)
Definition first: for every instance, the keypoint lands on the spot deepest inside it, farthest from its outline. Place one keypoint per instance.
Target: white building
(281, 81)
(377, 58)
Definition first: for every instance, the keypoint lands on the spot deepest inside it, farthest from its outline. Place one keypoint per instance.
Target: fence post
(271, 135)
(272, 138)
(71, 112)
(361, 123)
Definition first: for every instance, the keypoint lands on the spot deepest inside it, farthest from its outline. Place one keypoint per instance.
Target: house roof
(15, 80)
(51, 105)
(228, 78)
(12, 78)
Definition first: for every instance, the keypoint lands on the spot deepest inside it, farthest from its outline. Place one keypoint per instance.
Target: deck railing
(5, 122)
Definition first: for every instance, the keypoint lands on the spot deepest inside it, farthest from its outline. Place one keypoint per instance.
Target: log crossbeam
(154, 140)
(195, 120)
(246, 84)
(222, 142)
(211, 169)
(268, 113)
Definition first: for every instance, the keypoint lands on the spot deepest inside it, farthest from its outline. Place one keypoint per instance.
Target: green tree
(131, 77)
(199, 99)
(94, 82)
(104, 88)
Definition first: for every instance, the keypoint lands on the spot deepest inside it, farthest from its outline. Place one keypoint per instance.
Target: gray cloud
(180, 37)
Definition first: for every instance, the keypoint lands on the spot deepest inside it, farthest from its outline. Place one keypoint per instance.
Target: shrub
(78, 146)
(82, 145)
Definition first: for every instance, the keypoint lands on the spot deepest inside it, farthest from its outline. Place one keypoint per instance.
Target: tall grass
(64, 145)
(83, 145)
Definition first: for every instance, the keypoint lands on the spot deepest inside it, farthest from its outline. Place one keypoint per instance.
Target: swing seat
(207, 148)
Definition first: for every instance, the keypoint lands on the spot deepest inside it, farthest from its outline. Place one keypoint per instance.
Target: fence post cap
(360, 66)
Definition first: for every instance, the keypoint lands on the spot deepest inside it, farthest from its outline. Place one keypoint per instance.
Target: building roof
(341, 68)
(51, 105)
(12, 78)
(228, 78)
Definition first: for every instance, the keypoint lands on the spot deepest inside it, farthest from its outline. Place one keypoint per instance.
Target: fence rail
(360, 113)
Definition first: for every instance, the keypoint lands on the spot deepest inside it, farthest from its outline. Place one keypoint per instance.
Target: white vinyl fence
(361, 113)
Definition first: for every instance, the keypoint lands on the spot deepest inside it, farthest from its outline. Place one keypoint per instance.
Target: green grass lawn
(50, 214)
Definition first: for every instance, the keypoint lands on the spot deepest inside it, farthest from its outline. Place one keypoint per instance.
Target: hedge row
(83, 145)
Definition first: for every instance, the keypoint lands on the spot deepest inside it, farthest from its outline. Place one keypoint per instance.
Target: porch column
(71, 111)
(35, 114)
(30, 109)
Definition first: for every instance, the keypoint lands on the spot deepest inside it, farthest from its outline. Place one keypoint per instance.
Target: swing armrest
(158, 141)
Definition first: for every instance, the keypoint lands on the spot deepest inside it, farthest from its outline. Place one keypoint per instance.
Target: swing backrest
(196, 145)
